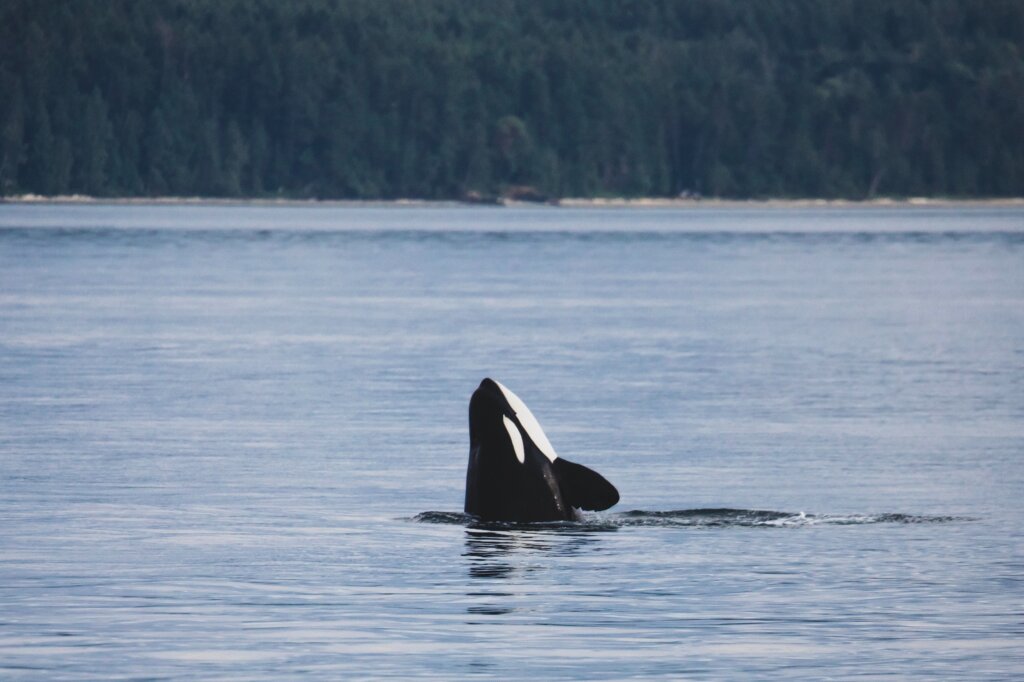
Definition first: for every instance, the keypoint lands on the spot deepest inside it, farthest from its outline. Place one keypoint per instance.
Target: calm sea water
(233, 442)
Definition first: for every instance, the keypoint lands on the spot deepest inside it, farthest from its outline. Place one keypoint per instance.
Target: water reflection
(500, 555)
(485, 550)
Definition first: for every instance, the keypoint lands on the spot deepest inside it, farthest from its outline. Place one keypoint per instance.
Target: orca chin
(514, 473)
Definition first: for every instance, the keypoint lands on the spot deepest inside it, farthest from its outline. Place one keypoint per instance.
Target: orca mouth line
(693, 518)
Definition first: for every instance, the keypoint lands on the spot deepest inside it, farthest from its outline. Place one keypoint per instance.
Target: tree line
(455, 98)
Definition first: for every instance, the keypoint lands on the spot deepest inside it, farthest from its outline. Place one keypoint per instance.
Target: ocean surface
(233, 442)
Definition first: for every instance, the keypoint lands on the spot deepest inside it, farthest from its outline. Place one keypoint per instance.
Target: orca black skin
(514, 473)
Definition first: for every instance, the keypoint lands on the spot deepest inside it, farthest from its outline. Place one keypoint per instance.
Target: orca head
(514, 473)
(495, 412)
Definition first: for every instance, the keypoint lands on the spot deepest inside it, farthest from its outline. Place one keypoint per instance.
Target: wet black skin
(500, 488)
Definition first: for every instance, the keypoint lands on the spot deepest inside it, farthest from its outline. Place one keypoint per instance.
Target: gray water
(233, 442)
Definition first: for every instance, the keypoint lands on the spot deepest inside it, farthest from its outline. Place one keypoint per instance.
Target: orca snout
(487, 407)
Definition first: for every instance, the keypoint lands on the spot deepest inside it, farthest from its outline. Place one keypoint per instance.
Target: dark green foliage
(436, 99)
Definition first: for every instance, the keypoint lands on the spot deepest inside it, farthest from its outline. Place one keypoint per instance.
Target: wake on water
(691, 518)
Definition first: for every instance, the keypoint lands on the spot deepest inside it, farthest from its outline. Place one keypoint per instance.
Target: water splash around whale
(695, 518)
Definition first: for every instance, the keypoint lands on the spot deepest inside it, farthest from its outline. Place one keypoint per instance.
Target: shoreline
(568, 202)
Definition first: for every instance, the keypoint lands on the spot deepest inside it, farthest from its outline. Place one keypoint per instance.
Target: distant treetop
(547, 98)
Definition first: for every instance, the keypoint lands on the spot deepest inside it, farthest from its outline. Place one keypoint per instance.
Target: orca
(514, 473)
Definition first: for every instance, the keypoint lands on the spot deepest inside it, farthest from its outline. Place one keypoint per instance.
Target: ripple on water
(694, 518)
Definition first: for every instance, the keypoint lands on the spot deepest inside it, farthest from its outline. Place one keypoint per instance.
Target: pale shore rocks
(567, 202)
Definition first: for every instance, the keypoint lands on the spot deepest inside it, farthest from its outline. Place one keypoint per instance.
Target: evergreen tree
(440, 98)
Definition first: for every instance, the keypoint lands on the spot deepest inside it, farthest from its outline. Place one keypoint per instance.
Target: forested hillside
(441, 98)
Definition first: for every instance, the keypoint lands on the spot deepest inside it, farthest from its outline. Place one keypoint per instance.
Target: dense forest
(455, 98)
